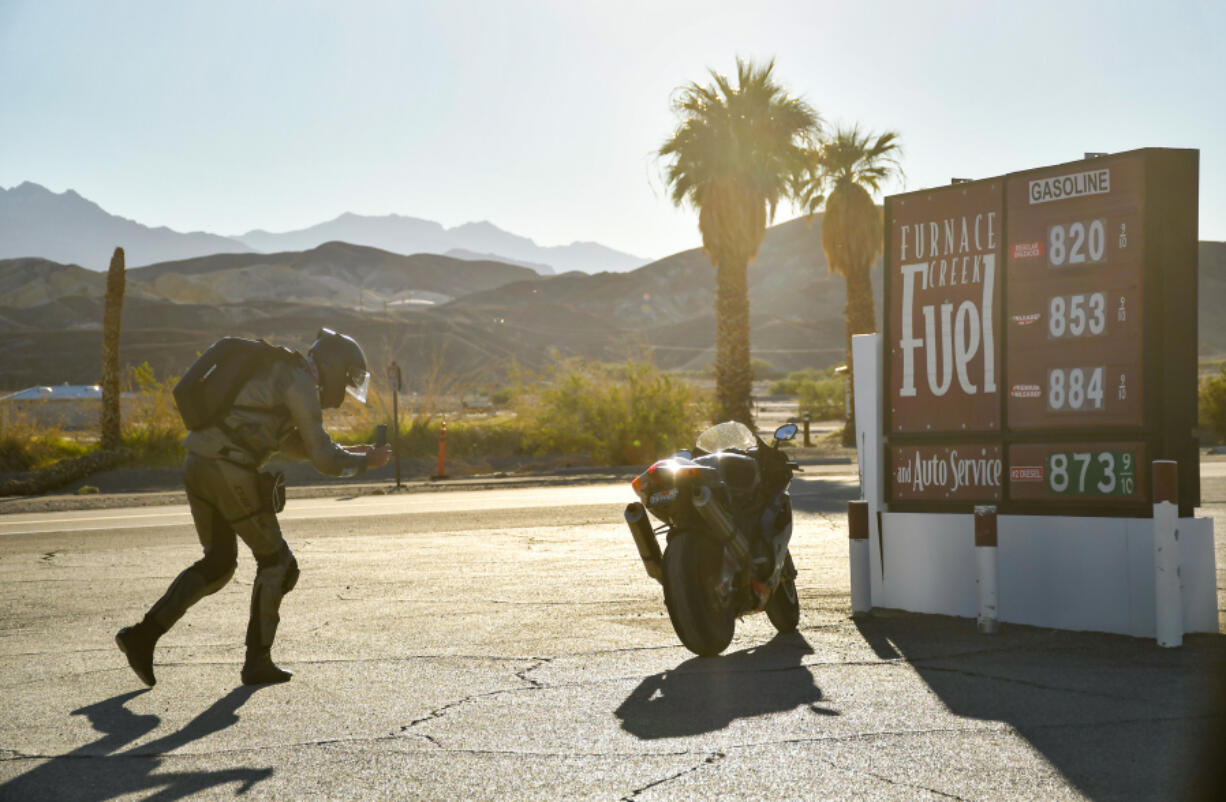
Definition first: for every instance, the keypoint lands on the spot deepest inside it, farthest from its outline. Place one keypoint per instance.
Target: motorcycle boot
(137, 643)
(259, 669)
(276, 575)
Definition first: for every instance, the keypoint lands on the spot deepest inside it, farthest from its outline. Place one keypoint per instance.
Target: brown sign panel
(1074, 255)
(1048, 316)
(967, 472)
(1078, 472)
(944, 269)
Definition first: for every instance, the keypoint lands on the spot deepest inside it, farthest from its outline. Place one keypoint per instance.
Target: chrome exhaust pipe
(720, 522)
(645, 540)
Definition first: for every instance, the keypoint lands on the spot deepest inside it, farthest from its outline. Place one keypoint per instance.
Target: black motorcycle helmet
(342, 368)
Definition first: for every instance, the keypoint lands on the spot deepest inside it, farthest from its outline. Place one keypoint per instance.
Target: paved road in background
(507, 644)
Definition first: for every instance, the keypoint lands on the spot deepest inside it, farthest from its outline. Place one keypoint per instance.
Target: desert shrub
(821, 393)
(466, 438)
(1213, 403)
(824, 399)
(497, 437)
(153, 431)
(790, 384)
(27, 446)
(611, 414)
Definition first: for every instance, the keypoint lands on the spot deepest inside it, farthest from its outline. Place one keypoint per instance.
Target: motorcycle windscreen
(726, 435)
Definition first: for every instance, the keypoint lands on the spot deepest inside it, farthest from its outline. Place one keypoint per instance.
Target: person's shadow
(707, 694)
(99, 771)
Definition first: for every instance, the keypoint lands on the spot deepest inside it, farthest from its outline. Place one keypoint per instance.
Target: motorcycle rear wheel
(783, 608)
(692, 566)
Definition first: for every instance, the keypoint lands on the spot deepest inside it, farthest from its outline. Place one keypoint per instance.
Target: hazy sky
(544, 116)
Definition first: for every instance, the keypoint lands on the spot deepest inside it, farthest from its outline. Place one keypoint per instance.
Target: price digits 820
(1077, 389)
(1079, 243)
(1103, 473)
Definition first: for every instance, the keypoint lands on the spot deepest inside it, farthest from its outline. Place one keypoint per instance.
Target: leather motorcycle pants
(226, 503)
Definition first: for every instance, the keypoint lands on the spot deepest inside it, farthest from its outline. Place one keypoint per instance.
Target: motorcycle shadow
(707, 694)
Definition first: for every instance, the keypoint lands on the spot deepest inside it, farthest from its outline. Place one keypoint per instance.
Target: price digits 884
(1076, 389)
(1079, 243)
(1102, 473)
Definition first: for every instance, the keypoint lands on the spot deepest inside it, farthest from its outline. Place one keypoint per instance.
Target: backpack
(206, 393)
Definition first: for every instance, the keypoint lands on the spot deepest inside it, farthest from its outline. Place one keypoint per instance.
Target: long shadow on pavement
(707, 694)
(1118, 717)
(99, 771)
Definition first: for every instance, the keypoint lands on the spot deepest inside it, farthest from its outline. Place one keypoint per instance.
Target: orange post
(442, 448)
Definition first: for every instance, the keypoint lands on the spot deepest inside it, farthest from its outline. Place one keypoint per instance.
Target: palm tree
(732, 157)
(850, 166)
(112, 322)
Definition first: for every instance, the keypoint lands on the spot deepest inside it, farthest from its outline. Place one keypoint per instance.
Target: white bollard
(986, 564)
(1168, 595)
(861, 573)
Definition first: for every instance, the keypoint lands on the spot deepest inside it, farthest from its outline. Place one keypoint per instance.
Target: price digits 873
(1099, 473)
(1079, 243)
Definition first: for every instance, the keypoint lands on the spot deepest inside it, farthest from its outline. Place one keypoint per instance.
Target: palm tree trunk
(733, 378)
(112, 323)
(861, 319)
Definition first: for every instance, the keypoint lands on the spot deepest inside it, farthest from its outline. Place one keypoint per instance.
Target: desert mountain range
(436, 315)
(469, 319)
(67, 228)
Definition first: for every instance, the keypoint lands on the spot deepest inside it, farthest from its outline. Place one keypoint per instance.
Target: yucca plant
(112, 324)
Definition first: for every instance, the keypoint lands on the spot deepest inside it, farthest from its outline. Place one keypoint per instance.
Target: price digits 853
(1096, 473)
(1079, 315)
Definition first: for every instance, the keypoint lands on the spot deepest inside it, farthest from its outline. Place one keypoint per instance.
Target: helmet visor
(359, 384)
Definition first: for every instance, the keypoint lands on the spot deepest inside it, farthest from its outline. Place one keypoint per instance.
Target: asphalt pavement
(506, 643)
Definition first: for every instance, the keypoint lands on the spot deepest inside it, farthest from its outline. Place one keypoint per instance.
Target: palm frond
(745, 131)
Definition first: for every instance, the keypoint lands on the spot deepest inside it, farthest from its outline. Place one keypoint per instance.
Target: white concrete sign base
(1065, 572)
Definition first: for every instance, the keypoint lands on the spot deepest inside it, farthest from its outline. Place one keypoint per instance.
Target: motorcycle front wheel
(692, 566)
(783, 608)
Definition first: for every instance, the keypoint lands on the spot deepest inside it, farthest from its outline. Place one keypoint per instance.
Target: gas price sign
(1040, 337)
(1074, 259)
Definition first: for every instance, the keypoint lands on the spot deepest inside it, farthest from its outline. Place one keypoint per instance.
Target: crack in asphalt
(891, 781)
(522, 674)
(711, 757)
(439, 712)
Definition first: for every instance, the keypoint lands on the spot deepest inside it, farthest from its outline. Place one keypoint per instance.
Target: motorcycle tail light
(639, 485)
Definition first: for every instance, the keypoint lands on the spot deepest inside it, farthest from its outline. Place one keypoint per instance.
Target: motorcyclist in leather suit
(277, 410)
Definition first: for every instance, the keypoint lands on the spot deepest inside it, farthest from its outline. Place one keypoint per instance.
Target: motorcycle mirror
(786, 432)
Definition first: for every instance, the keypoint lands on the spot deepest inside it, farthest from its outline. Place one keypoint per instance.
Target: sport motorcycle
(726, 517)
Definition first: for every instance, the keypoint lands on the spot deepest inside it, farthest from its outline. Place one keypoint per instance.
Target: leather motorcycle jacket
(278, 410)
